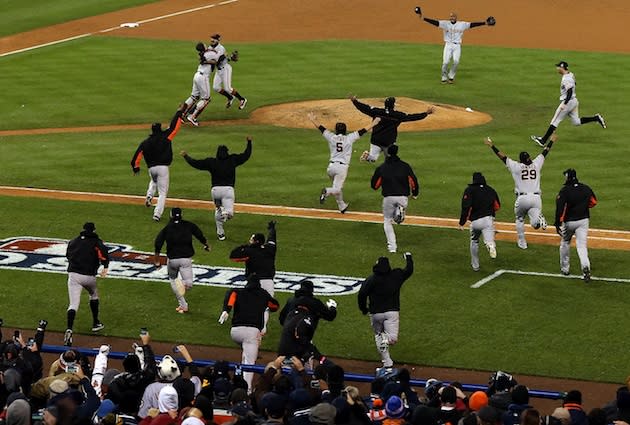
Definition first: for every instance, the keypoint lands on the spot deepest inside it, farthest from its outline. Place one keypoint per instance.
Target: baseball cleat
(156, 218)
(522, 244)
(221, 236)
(451, 81)
(242, 103)
(364, 156)
(443, 81)
(322, 196)
(41, 326)
(97, 327)
(475, 269)
(192, 120)
(564, 272)
(492, 250)
(343, 211)
(601, 121)
(147, 201)
(543, 222)
(586, 274)
(229, 103)
(181, 310)
(538, 140)
(67, 338)
(399, 216)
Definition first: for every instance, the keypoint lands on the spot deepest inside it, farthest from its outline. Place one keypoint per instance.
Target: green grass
(525, 324)
(19, 16)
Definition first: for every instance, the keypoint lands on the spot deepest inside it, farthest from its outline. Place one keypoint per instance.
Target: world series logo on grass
(49, 255)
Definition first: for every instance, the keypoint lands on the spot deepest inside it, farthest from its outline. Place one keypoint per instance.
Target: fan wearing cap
(157, 150)
(385, 132)
(573, 203)
(568, 106)
(480, 203)
(379, 296)
(249, 305)
(85, 254)
(526, 174)
(222, 171)
(178, 234)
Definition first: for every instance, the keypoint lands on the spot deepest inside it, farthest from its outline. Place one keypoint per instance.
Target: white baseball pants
(337, 173)
(570, 110)
(248, 337)
(159, 182)
(223, 79)
(579, 228)
(183, 267)
(77, 282)
(390, 204)
(452, 51)
(386, 325)
(483, 227)
(527, 205)
(222, 196)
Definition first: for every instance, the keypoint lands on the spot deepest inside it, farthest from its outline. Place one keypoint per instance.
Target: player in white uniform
(222, 82)
(568, 105)
(453, 33)
(200, 94)
(526, 174)
(340, 145)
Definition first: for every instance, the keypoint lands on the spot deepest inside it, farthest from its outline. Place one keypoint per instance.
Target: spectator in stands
(323, 414)
(530, 417)
(350, 408)
(499, 390)
(477, 400)
(573, 403)
(448, 400)
(520, 402)
(167, 406)
(274, 408)
(395, 411)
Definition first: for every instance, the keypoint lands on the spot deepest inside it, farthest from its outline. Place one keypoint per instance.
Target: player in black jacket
(396, 180)
(222, 171)
(249, 304)
(480, 202)
(178, 234)
(572, 217)
(85, 253)
(157, 150)
(259, 257)
(380, 297)
(299, 319)
(385, 132)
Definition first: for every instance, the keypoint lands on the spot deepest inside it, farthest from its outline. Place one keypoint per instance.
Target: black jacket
(385, 132)
(222, 171)
(382, 288)
(249, 304)
(573, 202)
(178, 236)
(157, 148)
(395, 178)
(85, 253)
(479, 200)
(259, 259)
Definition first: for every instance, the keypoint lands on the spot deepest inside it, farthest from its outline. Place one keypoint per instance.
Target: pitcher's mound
(330, 111)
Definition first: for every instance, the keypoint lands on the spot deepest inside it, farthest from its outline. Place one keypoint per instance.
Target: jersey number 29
(528, 174)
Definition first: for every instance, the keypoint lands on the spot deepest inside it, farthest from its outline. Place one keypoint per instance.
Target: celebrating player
(453, 33)
(572, 217)
(568, 105)
(340, 145)
(480, 203)
(200, 95)
(385, 132)
(526, 174)
(222, 82)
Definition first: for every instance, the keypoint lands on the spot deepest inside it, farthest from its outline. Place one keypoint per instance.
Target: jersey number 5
(339, 146)
(528, 174)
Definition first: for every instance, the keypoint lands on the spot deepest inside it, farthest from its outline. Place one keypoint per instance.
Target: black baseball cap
(563, 64)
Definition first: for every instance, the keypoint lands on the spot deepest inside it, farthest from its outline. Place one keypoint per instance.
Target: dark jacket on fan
(85, 253)
(157, 148)
(249, 304)
(385, 132)
(222, 171)
(178, 236)
(258, 258)
(479, 200)
(382, 288)
(396, 178)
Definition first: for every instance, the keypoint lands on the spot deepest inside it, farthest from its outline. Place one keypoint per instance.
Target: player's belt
(337, 162)
(527, 193)
(200, 72)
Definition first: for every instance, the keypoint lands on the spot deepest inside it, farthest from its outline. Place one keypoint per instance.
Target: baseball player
(379, 296)
(453, 33)
(249, 304)
(526, 175)
(396, 180)
(84, 254)
(259, 257)
(568, 105)
(222, 82)
(340, 145)
(480, 203)
(178, 234)
(157, 150)
(200, 94)
(222, 171)
(385, 132)
(572, 218)
(299, 319)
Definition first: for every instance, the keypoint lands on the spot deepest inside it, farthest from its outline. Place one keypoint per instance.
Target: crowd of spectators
(74, 390)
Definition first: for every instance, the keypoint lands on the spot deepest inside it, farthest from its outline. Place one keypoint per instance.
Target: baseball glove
(234, 56)
(491, 21)
(200, 47)
(418, 10)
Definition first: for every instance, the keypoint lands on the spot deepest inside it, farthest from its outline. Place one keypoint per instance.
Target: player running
(340, 145)
(526, 174)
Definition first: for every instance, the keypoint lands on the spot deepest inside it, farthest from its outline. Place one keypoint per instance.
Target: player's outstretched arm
(488, 142)
(549, 144)
(311, 116)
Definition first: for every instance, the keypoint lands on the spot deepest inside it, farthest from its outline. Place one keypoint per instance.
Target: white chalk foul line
(87, 34)
(498, 273)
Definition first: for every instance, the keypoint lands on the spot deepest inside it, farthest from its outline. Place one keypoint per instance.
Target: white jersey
(340, 145)
(206, 68)
(219, 51)
(526, 177)
(568, 82)
(453, 33)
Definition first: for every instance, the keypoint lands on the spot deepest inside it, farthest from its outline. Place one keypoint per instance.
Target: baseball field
(80, 93)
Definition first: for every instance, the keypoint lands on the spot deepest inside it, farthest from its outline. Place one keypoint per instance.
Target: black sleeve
(432, 21)
(271, 236)
(103, 253)
(477, 24)
(242, 157)
(377, 180)
(325, 312)
(159, 241)
(363, 295)
(466, 207)
(362, 132)
(174, 121)
(408, 270)
(362, 107)
(413, 117)
(199, 164)
(561, 204)
(196, 231)
(569, 95)
(547, 148)
(240, 253)
(150, 367)
(322, 128)
(137, 156)
(285, 311)
(413, 182)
